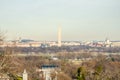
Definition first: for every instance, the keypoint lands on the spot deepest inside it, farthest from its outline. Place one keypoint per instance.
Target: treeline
(56, 49)
(98, 68)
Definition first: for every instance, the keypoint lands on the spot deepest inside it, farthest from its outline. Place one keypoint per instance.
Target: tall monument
(25, 76)
(59, 36)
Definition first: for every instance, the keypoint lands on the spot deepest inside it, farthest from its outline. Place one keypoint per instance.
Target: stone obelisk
(59, 37)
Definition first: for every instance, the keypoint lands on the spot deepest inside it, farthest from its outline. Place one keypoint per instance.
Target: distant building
(44, 45)
(107, 43)
(116, 44)
(47, 70)
(71, 43)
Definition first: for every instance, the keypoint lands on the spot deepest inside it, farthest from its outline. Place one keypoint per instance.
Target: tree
(98, 71)
(81, 73)
(4, 52)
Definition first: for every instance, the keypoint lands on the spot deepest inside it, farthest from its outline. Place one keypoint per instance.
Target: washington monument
(59, 36)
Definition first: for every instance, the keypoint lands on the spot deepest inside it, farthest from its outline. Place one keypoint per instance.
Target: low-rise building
(47, 70)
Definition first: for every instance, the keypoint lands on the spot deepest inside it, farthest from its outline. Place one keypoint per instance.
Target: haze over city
(79, 19)
(59, 40)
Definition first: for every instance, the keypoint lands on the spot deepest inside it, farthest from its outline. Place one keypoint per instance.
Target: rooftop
(49, 66)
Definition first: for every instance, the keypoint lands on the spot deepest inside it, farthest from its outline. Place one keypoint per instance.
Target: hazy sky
(79, 19)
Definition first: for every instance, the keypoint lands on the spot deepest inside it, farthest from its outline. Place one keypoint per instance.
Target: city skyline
(79, 19)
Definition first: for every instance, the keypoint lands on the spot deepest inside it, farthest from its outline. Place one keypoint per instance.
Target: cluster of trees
(56, 49)
(99, 68)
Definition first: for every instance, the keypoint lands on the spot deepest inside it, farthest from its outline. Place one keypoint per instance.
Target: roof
(49, 66)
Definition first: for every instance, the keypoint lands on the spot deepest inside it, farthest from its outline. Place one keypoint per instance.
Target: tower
(59, 37)
(25, 76)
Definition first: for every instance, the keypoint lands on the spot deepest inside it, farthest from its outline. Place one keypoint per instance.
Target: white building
(47, 70)
(116, 44)
(108, 43)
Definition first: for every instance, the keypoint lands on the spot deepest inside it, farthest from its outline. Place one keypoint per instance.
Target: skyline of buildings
(59, 43)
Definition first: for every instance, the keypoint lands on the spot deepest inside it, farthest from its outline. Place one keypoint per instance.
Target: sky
(79, 19)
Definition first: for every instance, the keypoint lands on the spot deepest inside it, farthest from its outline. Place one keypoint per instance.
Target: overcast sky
(79, 19)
